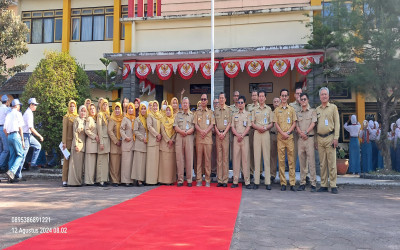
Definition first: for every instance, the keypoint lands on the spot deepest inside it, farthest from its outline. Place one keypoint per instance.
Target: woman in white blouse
(354, 147)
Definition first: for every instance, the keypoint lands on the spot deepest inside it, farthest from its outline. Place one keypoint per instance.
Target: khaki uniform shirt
(140, 135)
(285, 117)
(79, 134)
(203, 119)
(234, 109)
(250, 107)
(222, 117)
(184, 121)
(91, 132)
(305, 118)
(328, 120)
(241, 120)
(296, 106)
(262, 116)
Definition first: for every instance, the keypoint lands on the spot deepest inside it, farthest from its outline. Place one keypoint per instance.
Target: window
(92, 24)
(124, 14)
(44, 26)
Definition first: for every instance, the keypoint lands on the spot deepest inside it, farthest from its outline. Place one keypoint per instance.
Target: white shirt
(353, 129)
(4, 110)
(372, 134)
(28, 120)
(13, 121)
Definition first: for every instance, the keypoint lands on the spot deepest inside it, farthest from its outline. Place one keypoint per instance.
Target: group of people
(147, 143)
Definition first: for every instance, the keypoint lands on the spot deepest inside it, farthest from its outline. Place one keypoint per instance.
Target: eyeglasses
(203, 99)
(303, 99)
(284, 95)
(240, 102)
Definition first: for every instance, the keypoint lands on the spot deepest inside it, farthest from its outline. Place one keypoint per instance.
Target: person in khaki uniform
(328, 127)
(249, 108)
(274, 141)
(240, 128)
(285, 122)
(92, 141)
(75, 170)
(297, 107)
(222, 116)
(184, 127)
(127, 144)
(167, 169)
(102, 167)
(204, 122)
(114, 132)
(139, 158)
(153, 143)
(261, 120)
(67, 135)
(306, 119)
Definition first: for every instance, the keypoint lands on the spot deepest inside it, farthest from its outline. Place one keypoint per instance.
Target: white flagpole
(212, 54)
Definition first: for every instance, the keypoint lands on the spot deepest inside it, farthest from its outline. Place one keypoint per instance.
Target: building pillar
(116, 27)
(360, 107)
(66, 26)
(128, 37)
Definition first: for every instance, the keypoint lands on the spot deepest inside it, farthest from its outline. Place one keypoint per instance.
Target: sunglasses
(240, 102)
(303, 99)
(203, 99)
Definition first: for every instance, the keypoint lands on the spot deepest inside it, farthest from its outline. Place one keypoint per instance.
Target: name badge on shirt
(288, 120)
(326, 122)
(225, 123)
(208, 122)
(244, 123)
(265, 120)
(187, 126)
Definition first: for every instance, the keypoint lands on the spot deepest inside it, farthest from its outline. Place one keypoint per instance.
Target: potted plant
(342, 163)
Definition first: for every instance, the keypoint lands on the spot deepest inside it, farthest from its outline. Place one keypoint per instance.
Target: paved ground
(359, 217)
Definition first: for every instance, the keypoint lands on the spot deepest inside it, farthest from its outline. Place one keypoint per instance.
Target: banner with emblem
(126, 71)
(231, 69)
(164, 71)
(186, 70)
(143, 70)
(254, 68)
(205, 69)
(279, 67)
(303, 65)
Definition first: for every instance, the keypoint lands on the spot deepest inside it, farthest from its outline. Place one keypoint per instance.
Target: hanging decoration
(205, 69)
(146, 85)
(279, 67)
(126, 71)
(143, 70)
(254, 68)
(231, 69)
(186, 70)
(164, 71)
(303, 65)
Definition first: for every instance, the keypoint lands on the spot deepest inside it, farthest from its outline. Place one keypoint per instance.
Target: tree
(53, 83)
(12, 39)
(110, 78)
(82, 84)
(365, 32)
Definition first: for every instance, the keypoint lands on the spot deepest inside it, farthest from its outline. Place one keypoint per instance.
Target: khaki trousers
(90, 168)
(102, 168)
(126, 166)
(307, 154)
(262, 148)
(203, 153)
(327, 159)
(115, 168)
(184, 157)
(289, 146)
(222, 159)
(241, 156)
(65, 168)
(274, 155)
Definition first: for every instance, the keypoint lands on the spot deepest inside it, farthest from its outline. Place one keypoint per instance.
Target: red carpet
(166, 217)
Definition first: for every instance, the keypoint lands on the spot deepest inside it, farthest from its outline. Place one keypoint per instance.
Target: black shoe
(64, 185)
(322, 189)
(313, 189)
(334, 191)
(128, 185)
(272, 179)
(234, 186)
(115, 184)
(268, 187)
(220, 185)
(179, 184)
(141, 184)
(262, 177)
(189, 184)
(292, 188)
(213, 175)
(102, 184)
(16, 180)
(283, 188)
(301, 188)
(89, 185)
(255, 186)
(249, 186)
(224, 185)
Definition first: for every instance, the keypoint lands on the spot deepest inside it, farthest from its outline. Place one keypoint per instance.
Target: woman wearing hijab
(75, 172)
(175, 105)
(139, 158)
(153, 145)
(92, 142)
(373, 133)
(354, 147)
(114, 133)
(366, 149)
(378, 137)
(167, 170)
(87, 104)
(127, 145)
(67, 136)
(164, 105)
(137, 105)
(102, 167)
(99, 103)
(392, 139)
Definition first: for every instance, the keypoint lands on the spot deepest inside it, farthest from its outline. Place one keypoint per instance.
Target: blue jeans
(4, 151)
(30, 141)
(16, 152)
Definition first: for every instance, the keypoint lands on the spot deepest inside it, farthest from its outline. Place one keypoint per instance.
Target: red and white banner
(254, 68)
(186, 70)
(231, 69)
(164, 71)
(146, 85)
(143, 70)
(126, 71)
(303, 65)
(279, 67)
(205, 69)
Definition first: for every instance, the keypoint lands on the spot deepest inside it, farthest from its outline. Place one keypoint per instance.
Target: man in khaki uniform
(184, 128)
(204, 122)
(328, 128)
(285, 122)
(297, 107)
(274, 150)
(306, 119)
(240, 129)
(261, 120)
(222, 116)
(234, 108)
(249, 108)
(214, 147)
